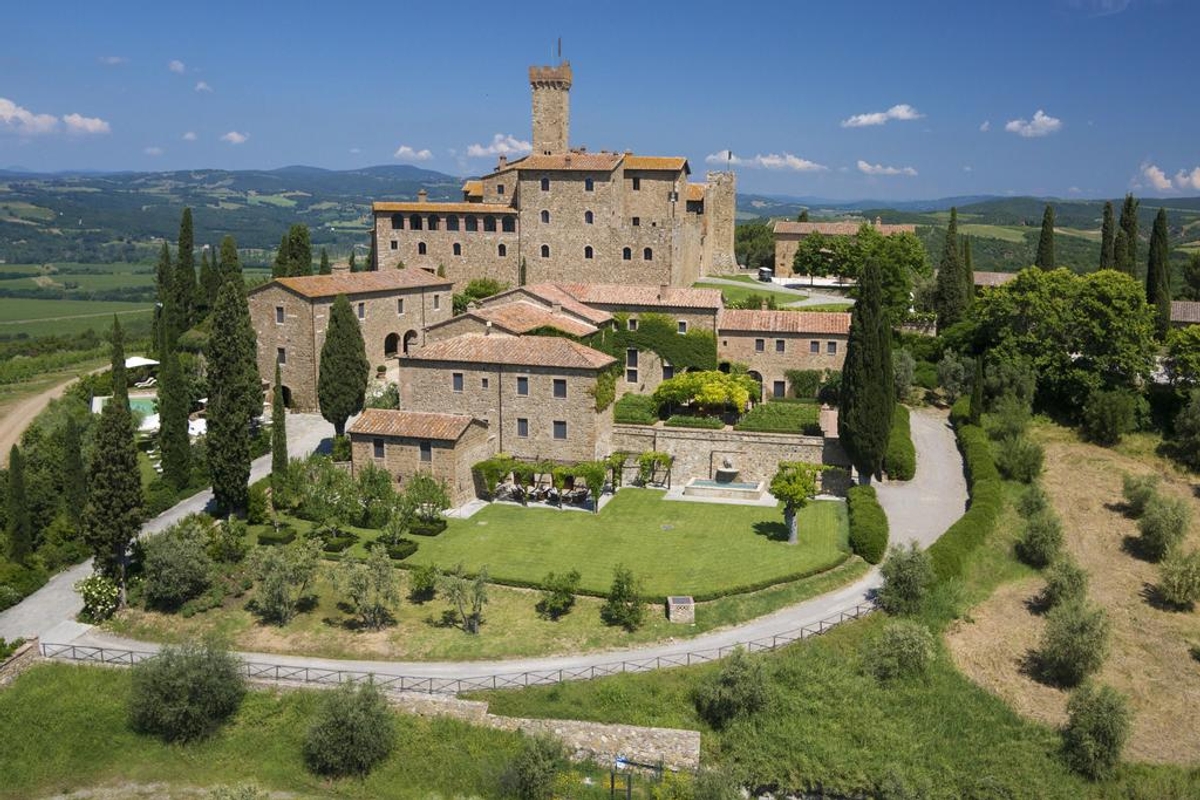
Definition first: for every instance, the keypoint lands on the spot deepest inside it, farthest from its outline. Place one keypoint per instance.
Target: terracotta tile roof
(823, 322)
(521, 351)
(993, 278)
(351, 283)
(473, 188)
(695, 191)
(553, 293)
(587, 162)
(619, 294)
(1185, 311)
(523, 317)
(442, 208)
(836, 228)
(415, 424)
(667, 163)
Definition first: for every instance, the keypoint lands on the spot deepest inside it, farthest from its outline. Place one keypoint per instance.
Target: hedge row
(680, 421)
(987, 500)
(900, 460)
(783, 417)
(636, 409)
(868, 524)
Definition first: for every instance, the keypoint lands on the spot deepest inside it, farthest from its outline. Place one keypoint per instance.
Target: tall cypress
(952, 298)
(280, 267)
(185, 273)
(353, 263)
(968, 271)
(1045, 248)
(342, 380)
(299, 250)
(74, 475)
(373, 258)
(868, 392)
(164, 296)
(20, 524)
(1125, 247)
(232, 395)
(1108, 238)
(173, 408)
(113, 511)
(1158, 273)
(228, 265)
(279, 451)
(209, 281)
(326, 269)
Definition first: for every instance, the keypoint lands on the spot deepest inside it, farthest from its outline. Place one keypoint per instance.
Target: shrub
(100, 595)
(1041, 541)
(533, 772)
(227, 541)
(1074, 644)
(925, 375)
(401, 549)
(739, 689)
(185, 692)
(907, 578)
(805, 383)
(624, 605)
(904, 368)
(176, 566)
(279, 535)
(680, 421)
(284, 575)
(1163, 525)
(868, 524)
(353, 731)
(987, 500)
(339, 543)
(1186, 441)
(1009, 418)
(636, 409)
(831, 390)
(370, 587)
(1107, 416)
(1098, 723)
(430, 527)
(341, 448)
(1179, 579)
(1033, 500)
(1020, 459)
(782, 417)
(1066, 582)
(558, 594)
(1138, 491)
(256, 504)
(956, 373)
(900, 460)
(423, 582)
(8, 648)
(904, 649)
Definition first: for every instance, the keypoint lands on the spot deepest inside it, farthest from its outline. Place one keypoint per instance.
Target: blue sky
(888, 100)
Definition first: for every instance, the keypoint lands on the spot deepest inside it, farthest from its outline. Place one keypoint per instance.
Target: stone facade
(788, 235)
(771, 343)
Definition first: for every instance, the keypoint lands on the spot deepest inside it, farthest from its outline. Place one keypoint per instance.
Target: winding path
(919, 510)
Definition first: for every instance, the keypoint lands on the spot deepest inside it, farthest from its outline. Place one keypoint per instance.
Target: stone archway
(758, 378)
(391, 344)
(410, 341)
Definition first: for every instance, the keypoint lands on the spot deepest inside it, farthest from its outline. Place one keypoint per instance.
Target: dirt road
(16, 418)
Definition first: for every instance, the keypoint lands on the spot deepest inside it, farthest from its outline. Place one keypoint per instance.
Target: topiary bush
(278, 535)
(1066, 582)
(681, 421)
(900, 459)
(352, 732)
(739, 689)
(185, 692)
(868, 524)
(1179, 579)
(1041, 540)
(1020, 459)
(533, 772)
(1107, 416)
(904, 649)
(907, 577)
(1074, 643)
(1098, 723)
(1138, 490)
(1163, 526)
(427, 527)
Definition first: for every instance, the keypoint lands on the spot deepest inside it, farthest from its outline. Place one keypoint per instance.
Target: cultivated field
(50, 317)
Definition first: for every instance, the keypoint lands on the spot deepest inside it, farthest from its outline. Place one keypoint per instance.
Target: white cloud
(355, 150)
(1156, 177)
(24, 122)
(153, 151)
(113, 61)
(1074, 190)
(985, 126)
(1159, 181)
(1186, 180)
(202, 86)
(190, 136)
(502, 145)
(233, 137)
(880, 169)
(1042, 124)
(79, 124)
(968, 168)
(406, 153)
(177, 66)
(902, 112)
(768, 161)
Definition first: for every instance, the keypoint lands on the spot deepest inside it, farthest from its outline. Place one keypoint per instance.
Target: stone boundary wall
(25, 657)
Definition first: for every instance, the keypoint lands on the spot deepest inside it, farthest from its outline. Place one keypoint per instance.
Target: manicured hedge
(900, 460)
(636, 409)
(337, 544)
(783, 417)
(987, 500)
(402, 549)
(430, 528)
(709, 423)
(868, 524)
(271, 536)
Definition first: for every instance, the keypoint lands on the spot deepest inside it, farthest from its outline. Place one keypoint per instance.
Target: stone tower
(720, 211)
(551, 107)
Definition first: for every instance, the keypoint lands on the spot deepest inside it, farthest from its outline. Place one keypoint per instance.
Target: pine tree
(342, 382)
(164, 294)
(1126, 255)
(74, 475)
(173, 408)
(353, 264)
(209, 281)
(279, 452)
(1108, 238)
(113, 511)
(279, 269)
(952, 299)
(299, 248)
(868, 391)
(185, 274)
(1045, 248)
(20, 524)
(1158, 273)
(325, 268)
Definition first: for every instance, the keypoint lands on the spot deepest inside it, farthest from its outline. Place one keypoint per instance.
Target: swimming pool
(144, 405)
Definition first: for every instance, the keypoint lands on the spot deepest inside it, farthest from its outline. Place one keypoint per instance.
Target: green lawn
(828, 307)
(677, 548)
(736, 294)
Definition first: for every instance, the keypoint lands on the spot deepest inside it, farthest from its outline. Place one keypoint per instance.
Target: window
(780, 346)
(631, 357)
(814, 347)
(377, 446)
(760, 345)
(627, 254)
(280, 355)
(545, 184)
(522, 428)
(831, 348)
(779, 389)
(362, 310)
(681, 326)
(395, 244)
(647, 254)
(397, 222)
(485, 383)
(421, 250)
(545, 251)
(278, 315)
(414, 222)
(589, 217)
(545, 215)
(501, 250)
(451, 223)
(588, 185)
(560, 387)
(472, 223)
(631, 324)
(437, 302)
(637, 184)
(587, 251)
(457, 249)
(434, 222)
(457, 381)
(489, 224)
(500, 188)
(508, 224)
(400, 306)
(427, 451)
(631, 376)
(668, 372)
(560, 429)
(637, 221)
(523, 386)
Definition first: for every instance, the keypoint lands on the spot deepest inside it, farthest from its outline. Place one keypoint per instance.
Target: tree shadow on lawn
(1134, 546)
(352, 623)
(1154, 597)
(1037, 604)
(774, 531)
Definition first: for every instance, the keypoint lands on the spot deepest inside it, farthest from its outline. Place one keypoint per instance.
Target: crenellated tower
(551, 107)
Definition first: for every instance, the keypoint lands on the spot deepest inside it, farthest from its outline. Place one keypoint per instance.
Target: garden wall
(698, 453)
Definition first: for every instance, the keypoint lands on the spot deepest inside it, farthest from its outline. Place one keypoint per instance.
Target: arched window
(508, 224)
(501, 251)
(489, 224)
(472, 223)
(545, 251)
(589, 217)
(414, 222)
(457, 249)
(451, 223)
(627, 254)
(588, 184)
(545, 215)
(420, 248)
(397, 222)
(647, 254)
(434, 222)
(545, 184)
(587, 251)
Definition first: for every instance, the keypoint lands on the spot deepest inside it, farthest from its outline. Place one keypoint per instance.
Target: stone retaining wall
(25, 657)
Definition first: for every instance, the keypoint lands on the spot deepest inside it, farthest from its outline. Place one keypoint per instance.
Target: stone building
(537, 394)
(1185, 313)
(788, 235)
(290, 315)
(568, 215)
(771, 343)
(408, 442)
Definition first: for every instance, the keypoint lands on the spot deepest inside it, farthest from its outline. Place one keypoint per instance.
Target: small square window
(485, 383)
(399, 305)
(631, 324)
(377, 446)
(779, 389)
(522, 428)
(760, 345)
(426, 451)
(362, 310)
(831, 348)
(457, 381)
(631, 376)
(779, 346)
(500, 188)
(560, 387)
(681, 326)
(278, 315)
(523, 386)
(437, 302)
(395, 245)
(560, 429)
(280, 355)
(637, 221)
(814, 347)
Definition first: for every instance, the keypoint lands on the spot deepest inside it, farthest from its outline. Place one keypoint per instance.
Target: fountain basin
(724, 489)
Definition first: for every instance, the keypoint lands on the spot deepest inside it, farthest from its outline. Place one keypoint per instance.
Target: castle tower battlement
(551, 88)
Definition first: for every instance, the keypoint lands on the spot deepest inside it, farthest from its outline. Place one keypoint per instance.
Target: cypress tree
(968, 271)
(1158, 273)
(868, 390)
(1045, 248)
(1108, 238)
(325, 268)
(164, 295)
(279, 452)
(952, 298)
(353, 263)
(299, 249)
(342, 382)
(372, 257)
(1125, 248)
(74, 475)
(113, 511)
(803, 216)
(228, 266)
(185, 274)
(20, 524)
(976, 409)
(173, 410)
(279, 269)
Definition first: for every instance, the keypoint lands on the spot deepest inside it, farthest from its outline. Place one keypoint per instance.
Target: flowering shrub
(99, 595)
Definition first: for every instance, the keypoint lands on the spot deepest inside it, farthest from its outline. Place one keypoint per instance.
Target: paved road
(57, 602)
(919, 510)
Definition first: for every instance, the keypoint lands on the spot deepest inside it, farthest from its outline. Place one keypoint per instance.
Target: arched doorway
(391, 344)
(410, 341)
(758, 378)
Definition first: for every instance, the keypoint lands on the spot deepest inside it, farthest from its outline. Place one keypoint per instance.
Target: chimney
(340, 267)
(422, 196)
(487, 328)
(556, 308)
(502, 163)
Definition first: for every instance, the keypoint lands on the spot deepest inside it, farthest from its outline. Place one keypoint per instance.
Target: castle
(564, 214)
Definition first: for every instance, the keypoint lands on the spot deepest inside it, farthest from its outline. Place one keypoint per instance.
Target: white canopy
(139, 361)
